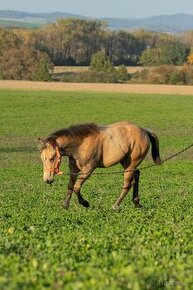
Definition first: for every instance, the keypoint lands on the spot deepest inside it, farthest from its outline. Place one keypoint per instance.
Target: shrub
(140, 76)
(190, 58)
(188, 74)
(122, 74)
(42, 71)
(160, 74)
(165, 74)
(150, 56)
(90, 77)
(100, 62)
(23, 64)
(177, 78)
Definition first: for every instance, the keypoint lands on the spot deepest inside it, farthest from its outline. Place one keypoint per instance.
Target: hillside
(163, 23)
(34, 18)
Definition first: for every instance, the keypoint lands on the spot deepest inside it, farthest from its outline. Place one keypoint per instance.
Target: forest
(30, 53)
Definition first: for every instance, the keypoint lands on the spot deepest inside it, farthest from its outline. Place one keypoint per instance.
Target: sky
(103, 8)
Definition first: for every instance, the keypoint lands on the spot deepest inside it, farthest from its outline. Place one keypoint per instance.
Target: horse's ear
(52, 143)
(40, 141)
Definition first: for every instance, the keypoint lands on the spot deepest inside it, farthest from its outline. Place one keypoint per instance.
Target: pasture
(43, 246)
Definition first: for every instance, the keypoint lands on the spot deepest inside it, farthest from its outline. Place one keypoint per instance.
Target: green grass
(18, 24)
(42, 246)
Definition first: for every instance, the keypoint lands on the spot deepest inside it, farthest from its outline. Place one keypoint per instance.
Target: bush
(100, 62)
(150, 57)
(42, 71)
(165, 74)
(188, 74)
(177, 78)
(122, 74)
(23, 64)
(140, 76)
(90, 77)
(190, 58)
(160, 74)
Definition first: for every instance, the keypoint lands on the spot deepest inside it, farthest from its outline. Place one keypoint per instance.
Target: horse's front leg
(84, 175)
(74, 170)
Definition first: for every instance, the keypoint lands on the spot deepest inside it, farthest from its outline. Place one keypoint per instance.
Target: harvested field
(121, 88)
(81, 69)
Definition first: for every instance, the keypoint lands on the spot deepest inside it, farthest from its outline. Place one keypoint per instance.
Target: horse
(89, 146)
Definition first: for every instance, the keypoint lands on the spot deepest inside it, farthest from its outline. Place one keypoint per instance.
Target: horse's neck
(66, 144)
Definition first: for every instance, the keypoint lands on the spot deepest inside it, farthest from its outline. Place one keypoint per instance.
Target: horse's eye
(52, 159)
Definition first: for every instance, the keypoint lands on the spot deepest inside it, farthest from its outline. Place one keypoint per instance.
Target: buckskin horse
(89, 146)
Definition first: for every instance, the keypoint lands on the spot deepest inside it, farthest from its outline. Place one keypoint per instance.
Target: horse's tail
(154, 147)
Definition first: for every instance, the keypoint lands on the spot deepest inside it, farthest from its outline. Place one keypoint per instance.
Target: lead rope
(177, 153)
(142, 168)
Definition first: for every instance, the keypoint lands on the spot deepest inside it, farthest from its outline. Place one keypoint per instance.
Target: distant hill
(164, 23)
(11, 18)
(39, 17)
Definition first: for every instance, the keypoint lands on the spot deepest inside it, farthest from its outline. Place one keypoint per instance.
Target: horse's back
(121, 139)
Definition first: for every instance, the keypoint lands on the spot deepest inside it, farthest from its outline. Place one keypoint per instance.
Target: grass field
(18, 24)
(42, 246)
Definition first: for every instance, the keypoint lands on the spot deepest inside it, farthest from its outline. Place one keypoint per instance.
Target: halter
(56, 168)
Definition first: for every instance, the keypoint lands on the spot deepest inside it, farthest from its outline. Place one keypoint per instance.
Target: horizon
(103, 9)
(81, 15)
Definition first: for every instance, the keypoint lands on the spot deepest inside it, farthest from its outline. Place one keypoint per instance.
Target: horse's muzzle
(48, 178)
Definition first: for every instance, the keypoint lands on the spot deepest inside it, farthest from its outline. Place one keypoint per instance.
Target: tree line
(31, 53)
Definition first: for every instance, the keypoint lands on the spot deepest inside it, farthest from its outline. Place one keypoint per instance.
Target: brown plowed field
(116, 88)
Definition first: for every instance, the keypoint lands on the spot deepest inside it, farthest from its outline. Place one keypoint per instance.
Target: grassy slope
(43, 246)
(18, 24)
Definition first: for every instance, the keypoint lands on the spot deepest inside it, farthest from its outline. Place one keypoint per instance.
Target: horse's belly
(114, 149)
(112, 157)
(109, 163)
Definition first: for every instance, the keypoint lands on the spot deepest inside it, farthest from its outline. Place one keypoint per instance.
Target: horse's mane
(75, 132)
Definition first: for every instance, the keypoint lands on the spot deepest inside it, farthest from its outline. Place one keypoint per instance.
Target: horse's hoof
(85, 203)
(65, 206)
(138, 205)
(115, 207)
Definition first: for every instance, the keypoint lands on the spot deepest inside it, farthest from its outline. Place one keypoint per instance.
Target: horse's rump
(121, 139)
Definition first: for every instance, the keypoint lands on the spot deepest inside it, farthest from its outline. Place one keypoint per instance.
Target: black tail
(154, 147)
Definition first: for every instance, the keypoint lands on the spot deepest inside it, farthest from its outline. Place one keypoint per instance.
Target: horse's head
(51, 158)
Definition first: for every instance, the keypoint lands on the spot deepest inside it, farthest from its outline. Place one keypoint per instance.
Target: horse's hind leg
(136, 188)
(128, 182)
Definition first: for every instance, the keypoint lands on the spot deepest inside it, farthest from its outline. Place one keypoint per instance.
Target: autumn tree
(122, 47)
(21, 63)
(190, 58)
(146, 38)
(187, 38)
(8, 39)
(70, 41)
